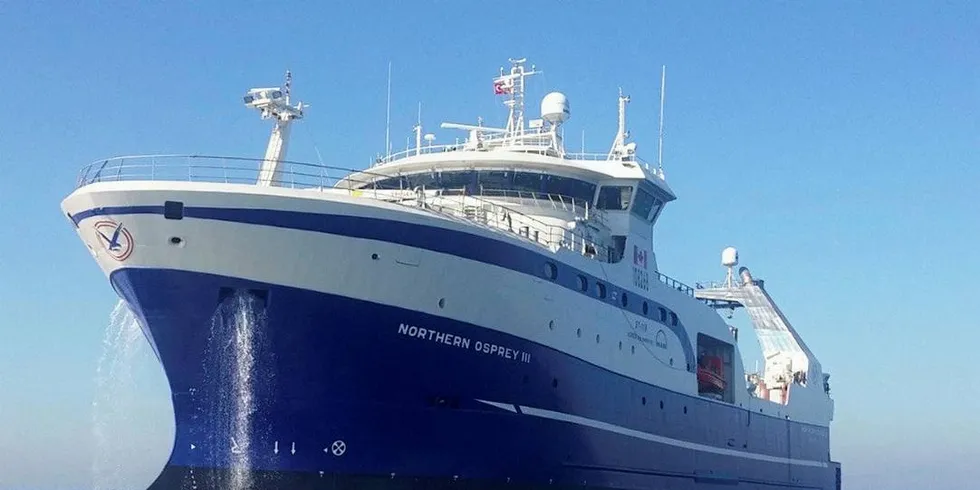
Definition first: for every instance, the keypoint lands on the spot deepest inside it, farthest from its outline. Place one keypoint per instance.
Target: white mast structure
(660, 149)
(274, 103)
(513, 84)
(621, 149)
(554, 112)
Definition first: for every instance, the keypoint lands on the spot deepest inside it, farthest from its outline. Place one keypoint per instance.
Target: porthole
(663, 315)
(632, 349)
(620, 345)
(578, 332)
(646, 308)
(673, 318)
(623, 299)
(583, 283)
(671, 361)
(597, 338)
(442, 302)
(374, 256)
(661, 404)
(550, 271)
(554, 383)
(644, 400)
(551, 325)
(176, 240)
(600, 289)
(685, 408)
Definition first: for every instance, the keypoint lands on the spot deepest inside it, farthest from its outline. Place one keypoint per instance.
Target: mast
(663, 87)
(418, 132)
(619, 148)
(388, 118)
(513, 85)
(273, 103)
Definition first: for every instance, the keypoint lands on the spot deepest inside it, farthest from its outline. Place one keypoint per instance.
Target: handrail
(556, 201)
(215, 169)
(503, 147)
(675, 284)
(301, 175)
(495, 216)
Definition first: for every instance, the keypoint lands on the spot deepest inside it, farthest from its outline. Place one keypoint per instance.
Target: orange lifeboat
(710, 375)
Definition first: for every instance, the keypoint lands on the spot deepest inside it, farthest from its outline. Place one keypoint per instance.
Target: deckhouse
(521, 178)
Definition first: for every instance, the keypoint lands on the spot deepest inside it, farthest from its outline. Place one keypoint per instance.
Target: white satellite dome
(729, 257)
(554, 108)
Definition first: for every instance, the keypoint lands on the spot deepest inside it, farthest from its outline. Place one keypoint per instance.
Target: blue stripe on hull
(432, 238)
(329, 368)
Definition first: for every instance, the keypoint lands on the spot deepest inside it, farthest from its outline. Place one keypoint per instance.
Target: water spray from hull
(233, 366)
(114, 400)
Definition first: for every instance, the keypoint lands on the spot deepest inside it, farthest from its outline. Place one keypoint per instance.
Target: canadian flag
(639, 257)
(501, 87)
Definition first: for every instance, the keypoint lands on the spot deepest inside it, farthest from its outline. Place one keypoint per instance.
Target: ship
(482, 314)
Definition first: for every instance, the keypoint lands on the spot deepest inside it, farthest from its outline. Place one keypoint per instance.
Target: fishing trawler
(483, 314)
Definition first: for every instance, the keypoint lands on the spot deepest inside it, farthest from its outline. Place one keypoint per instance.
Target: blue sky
(836, 144)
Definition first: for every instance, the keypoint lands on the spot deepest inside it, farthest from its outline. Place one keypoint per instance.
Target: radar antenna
(729, 259)
(273, 103)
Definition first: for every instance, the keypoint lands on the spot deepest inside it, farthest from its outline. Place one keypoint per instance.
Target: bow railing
(300, 175)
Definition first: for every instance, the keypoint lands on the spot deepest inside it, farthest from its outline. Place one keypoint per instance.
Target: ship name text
(461, 342)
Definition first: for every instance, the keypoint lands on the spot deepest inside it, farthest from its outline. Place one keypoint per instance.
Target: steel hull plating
(350, 393)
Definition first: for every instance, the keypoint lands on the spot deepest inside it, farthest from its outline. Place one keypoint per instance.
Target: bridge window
(494, 183)
(614, 198)
(643, 204)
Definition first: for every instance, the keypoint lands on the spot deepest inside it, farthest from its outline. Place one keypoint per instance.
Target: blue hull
(348, 393)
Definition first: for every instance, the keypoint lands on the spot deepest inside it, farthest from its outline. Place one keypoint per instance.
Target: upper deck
(535, 146)
(516, 179)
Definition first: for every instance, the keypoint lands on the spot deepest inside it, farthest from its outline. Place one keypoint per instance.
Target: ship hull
(343, 390)
(383, 380)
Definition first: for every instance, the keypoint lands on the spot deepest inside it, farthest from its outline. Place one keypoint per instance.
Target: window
(494, 183)
(550, 271)
(600, 290)
(663, 315)
(617, 249)
(614, 198)
(173, 209)
(657, 206)
(645, 308)
(643, 204)
(583, 283)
